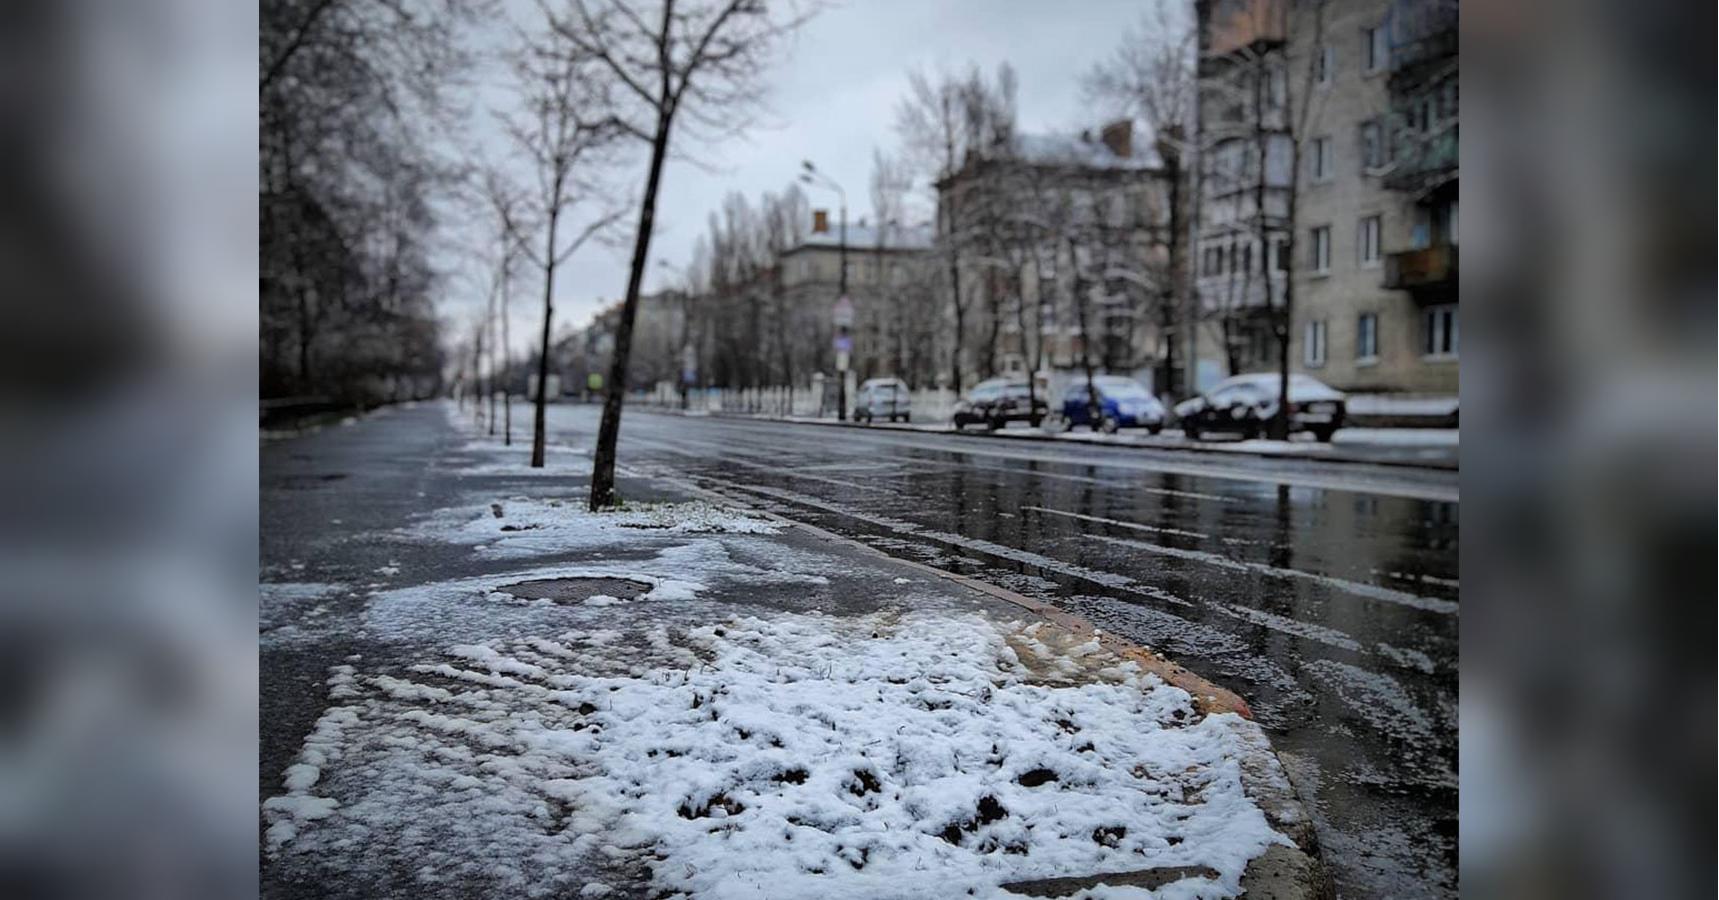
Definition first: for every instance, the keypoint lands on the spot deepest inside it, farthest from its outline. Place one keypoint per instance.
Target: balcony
(1431, 270)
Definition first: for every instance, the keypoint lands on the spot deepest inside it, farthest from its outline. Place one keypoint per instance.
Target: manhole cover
(575, 590)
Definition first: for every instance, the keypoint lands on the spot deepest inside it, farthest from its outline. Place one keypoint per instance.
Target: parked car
(1245, 404)
(1123, 403)
(999, 401)
(883, 398)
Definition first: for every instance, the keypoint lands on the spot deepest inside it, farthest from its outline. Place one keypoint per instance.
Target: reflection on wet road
(1325, 594)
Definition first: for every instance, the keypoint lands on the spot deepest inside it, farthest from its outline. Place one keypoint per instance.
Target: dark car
(1122, 403)
(1245, 405)
(999, 401)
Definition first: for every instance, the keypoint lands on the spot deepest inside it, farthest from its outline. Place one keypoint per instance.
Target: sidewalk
(1435, 448)
(684, 697)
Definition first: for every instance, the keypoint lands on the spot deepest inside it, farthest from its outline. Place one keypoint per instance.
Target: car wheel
(1191, 430)
(1155, 427)
(993, 424)
(1109, 425)
(1067, 424)
(1323, 435)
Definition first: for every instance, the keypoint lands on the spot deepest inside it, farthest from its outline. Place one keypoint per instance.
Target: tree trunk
(304, 334)
(603, 465)
(506, 366)
(489, 383)
(960, 311)
(1278, 428)
(538, 438)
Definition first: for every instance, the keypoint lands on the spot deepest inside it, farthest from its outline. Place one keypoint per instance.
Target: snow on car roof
(1300, 385)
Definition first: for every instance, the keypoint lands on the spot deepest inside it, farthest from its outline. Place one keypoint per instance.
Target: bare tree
(890, 181)
(564, 132)
(501, 200)
(1151, 77)
(694, 61)
(348, 89)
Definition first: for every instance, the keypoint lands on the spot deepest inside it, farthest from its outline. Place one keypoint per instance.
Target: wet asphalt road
(1326, 594)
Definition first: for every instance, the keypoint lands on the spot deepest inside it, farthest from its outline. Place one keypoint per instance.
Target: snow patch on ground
(881, 755)
(471, 610)
(526, 526)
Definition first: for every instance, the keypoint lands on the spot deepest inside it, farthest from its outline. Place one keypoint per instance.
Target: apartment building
(1063, 244)
(890, 271)
(1328, 131)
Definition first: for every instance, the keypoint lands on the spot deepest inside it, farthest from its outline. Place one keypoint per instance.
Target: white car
(883, 398)
(1245, 404)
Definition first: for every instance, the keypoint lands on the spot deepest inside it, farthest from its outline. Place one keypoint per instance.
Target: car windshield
(986, 392)
(1121, 388)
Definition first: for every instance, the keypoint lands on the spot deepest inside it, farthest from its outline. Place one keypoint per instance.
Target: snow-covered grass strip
(527, 526)
(891, 754)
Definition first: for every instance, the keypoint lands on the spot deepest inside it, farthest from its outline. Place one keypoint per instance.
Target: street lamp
(843, 313)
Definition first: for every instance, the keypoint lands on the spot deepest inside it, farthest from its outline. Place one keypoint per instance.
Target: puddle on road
(574, 591)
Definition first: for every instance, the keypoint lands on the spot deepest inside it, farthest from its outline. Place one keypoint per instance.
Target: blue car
(1123, 403)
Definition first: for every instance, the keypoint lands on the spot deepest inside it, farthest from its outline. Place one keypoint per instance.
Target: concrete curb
(1295, 872)
(1035, 435)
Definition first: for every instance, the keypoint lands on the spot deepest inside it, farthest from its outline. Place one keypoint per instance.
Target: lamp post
(844, 311)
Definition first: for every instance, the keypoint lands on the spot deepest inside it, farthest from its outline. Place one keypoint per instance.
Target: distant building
(889, 269)
(1051, 230)
(1364, 92)
(659, 335)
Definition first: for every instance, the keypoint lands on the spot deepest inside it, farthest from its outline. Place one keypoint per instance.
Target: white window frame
(1322, 162)
(1319, 241)
(1314, 344)
(1438, 326)
(1369, 164)
(1362, 334)
(1376, 50)
(1373, 227)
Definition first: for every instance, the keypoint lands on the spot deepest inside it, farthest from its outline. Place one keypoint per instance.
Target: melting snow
(522, 526)
(888, 754)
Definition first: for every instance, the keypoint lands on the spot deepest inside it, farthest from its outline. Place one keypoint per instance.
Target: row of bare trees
(349, 91)
(1022, 244)
(603, 92)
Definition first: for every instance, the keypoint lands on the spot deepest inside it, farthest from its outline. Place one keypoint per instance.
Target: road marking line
(1370, 591)
(1049, 564)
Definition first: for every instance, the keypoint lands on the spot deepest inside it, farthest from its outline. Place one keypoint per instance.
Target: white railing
(930, 405)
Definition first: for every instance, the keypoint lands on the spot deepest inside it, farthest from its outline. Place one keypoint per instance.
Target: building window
(1324, 65)
(1321, 246)
(1441, 331)
(1247, 258)
(1377, 48)
(1367, 338)
(1370, 232)
(1313, 344)
(1372, 145)
(1321, 159)
(1280, 254)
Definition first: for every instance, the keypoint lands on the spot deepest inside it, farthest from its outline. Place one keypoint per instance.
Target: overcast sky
(832, 100)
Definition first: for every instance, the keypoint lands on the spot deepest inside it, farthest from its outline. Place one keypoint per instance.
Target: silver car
(883, 398)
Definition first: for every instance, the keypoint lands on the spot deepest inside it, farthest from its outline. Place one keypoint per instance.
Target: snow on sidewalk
(521, 526)
(893, 754)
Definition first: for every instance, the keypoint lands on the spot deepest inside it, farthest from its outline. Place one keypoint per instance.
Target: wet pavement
(1324, 593)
